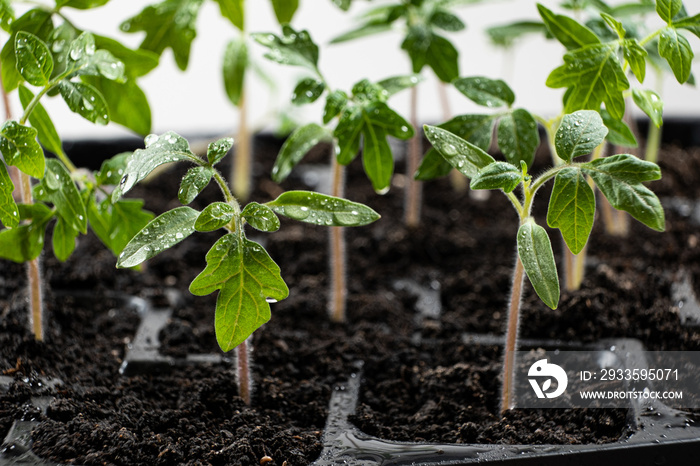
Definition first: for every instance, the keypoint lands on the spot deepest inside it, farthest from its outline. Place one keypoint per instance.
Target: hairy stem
(412, 203)
(241, 172)
(338, 259)
(243, 374)
(512, 336)
(653, 143)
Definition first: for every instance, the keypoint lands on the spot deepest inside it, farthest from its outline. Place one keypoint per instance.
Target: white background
(194, 102)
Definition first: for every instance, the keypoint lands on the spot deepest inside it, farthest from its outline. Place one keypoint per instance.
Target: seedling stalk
(243, 379)
(512, 335)
(413, 188)
(338, 265)
(241, 172)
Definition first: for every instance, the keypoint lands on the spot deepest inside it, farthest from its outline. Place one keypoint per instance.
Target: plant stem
(512, 336)
(243, 379)
(653, 142)
(241, 172)
(338, 259)
(412, 203)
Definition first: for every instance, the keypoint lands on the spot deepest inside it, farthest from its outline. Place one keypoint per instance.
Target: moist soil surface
(420, 381)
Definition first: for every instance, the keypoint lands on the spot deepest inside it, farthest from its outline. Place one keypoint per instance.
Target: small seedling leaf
(424, 47)
(168, 24)
(85, 100)
(284, 10)
(614, 24)
(461, 154)
(620, 178)
(162, 233)
(116, 224)
(234, 11)
(377, 159)
(572, 208)
(486, 91)
(578, 134)
(668, 9)
(293, 47)
(193, 183)
(36, 21)
(169, 147)
(127, 104)
(58, 188)
(506, 35)
(335, 103)
(593, 75)
(248, 279)
(347, 134)
(676, 49)
(618, 132)
(320, 209)
(691, 23)
(399, 83)
(569, 32)
(308, 90)
(234, 66)
(380, 115)
(535, 252)
(19, 148)
(650, 103)
(217, 150)
(518, 137)
(34, 61)
(446, 21)
(636, 56)
(297, 145)
(63, 239)
(432, 166)
(39, 119)
(368, 29)
(26, 241)
(9, 213)
(81, 4)
(112, 170)
(137, 63)
(261, 217)
(498, 175)
(477, 129)
(216, 215)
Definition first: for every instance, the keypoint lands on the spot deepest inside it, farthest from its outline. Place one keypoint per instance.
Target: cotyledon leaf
(320, 209)
(261, 217)
(161, 233)
(535, 252)
(579, 133)
(9, 214)
(248, 280)
(462, 155)
(214, 216)
(572, 208)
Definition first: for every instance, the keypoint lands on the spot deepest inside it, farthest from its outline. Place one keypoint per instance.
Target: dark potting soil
(421, 381)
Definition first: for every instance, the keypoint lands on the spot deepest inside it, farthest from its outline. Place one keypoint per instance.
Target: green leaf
(63, 239)
(676, 49)
(216, 151)
(593, 75)
(9, 213)
(284, 10)
(668, 9)
(572, 208)
(691, 23)
(112, 170)
(518, 137)
(614, 24)
(19, 147)
(620, 178)
(365, 91)
(293, 48)
(7, 15)
(477, 129)
(380, 115)
(368, 29)
(169, 147)
(81, 4)
(320, 209)
(162, 233)
(535, 252)
(168, 24)
(399, 83)
(297, 145)
(447, 21)
(377, 158)
(234, 68)
(261, 217)
(40, 120)
(635, 55)
(427, 48)
(38, 22)
(126, 102)
(58, 188)
(569, 32)
(26, 241)
(335, 103)
(248, 279)
(137, 63)
(461, 154)
(498, 175)
(485, 91)
(578, 134)
(83, 59)
(308, 90)
(194, 182)
(347, 134)
(432, 166)
(507, 34)
(34, 61)
(116, 224)
(650, 103)
(234, 11)
(216, 215)
(618, 132)
(85, 100)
